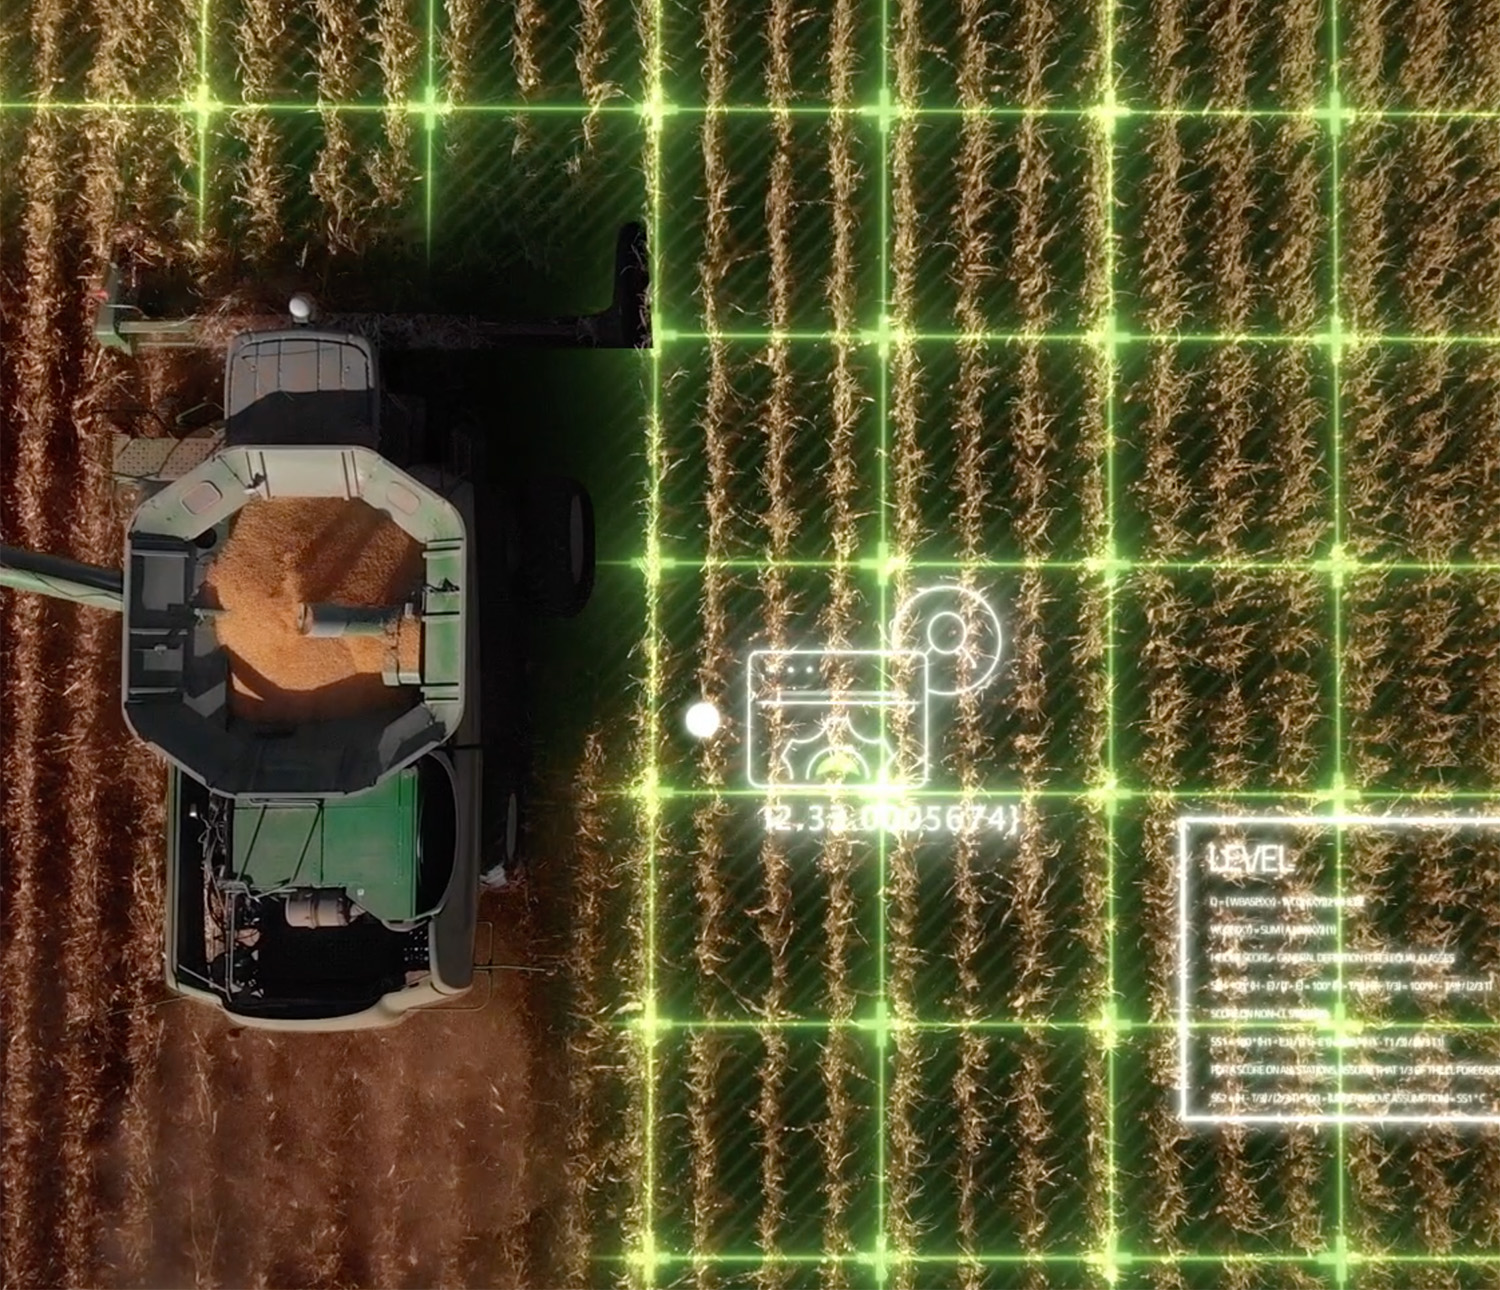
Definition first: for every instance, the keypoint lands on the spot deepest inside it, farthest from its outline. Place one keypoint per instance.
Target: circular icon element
(703, 720)
(960, 632)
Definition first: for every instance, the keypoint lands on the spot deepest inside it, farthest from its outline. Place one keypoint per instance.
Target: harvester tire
(557, 546)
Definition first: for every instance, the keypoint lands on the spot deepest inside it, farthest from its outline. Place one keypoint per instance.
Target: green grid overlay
(658, 116)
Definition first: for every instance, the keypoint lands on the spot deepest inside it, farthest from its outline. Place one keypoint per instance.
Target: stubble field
(1171, 330)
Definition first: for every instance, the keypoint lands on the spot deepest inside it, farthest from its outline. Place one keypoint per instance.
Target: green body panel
(365, 843)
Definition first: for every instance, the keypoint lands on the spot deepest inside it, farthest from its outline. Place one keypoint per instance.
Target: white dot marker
(702, 720)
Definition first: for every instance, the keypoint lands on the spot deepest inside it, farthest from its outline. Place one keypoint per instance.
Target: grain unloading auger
(327, 829)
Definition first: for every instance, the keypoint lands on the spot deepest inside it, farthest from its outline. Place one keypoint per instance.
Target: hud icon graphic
(804, 733)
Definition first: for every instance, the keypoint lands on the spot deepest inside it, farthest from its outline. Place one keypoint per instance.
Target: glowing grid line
(1118, 792)
(1110, 1021)
(655, 123)
(205, 107)
(1335, 121)
(883, 415)
(823, 111)
(762, 1024)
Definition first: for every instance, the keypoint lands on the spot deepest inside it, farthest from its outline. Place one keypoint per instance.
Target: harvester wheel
(507, 846)
(557, 545)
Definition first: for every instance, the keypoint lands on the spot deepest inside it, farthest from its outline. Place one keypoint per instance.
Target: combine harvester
(317, 702)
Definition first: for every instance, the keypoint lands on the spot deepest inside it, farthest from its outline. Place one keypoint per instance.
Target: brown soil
(284, 552)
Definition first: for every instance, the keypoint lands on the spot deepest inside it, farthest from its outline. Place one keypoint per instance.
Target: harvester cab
(302, 645)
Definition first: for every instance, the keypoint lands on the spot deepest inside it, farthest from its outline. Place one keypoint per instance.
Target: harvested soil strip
(283, 553)
(187, 1144)
(399, 54)
(333, 179)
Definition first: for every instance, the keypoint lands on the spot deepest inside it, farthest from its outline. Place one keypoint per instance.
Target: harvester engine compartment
(330, 899)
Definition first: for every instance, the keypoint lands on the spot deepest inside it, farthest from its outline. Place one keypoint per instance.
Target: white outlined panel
(835, 736)
(1277, 971)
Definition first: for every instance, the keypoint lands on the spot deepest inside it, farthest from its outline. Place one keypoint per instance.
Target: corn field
(1170, 331)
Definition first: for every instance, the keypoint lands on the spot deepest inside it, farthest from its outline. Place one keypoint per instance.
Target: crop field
(1164, 335)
